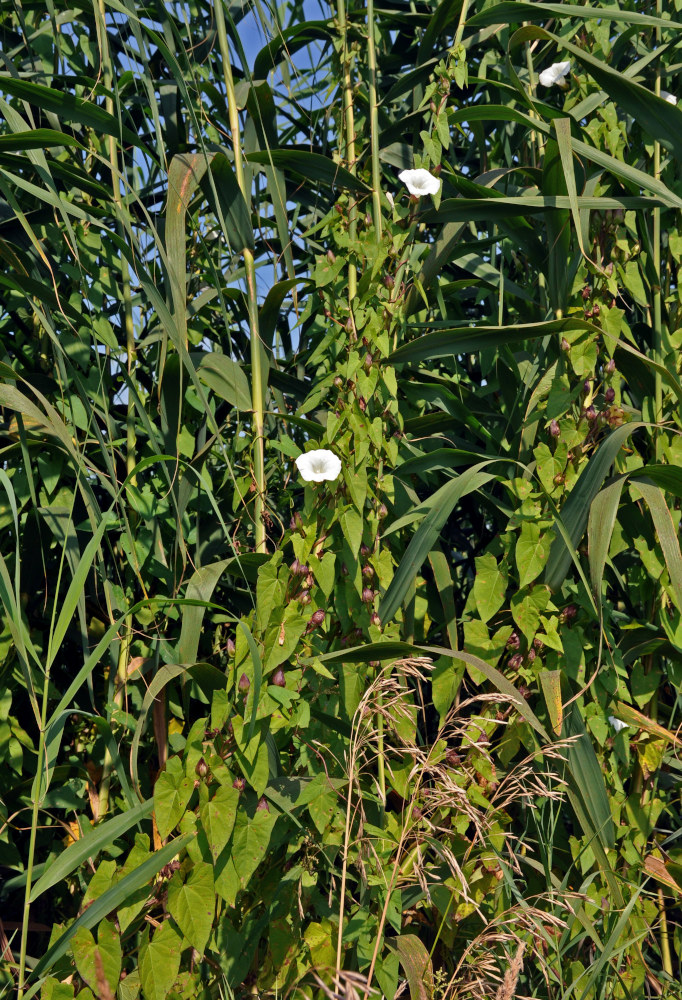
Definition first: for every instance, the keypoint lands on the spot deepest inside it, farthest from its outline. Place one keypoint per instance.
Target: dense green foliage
(261, 736)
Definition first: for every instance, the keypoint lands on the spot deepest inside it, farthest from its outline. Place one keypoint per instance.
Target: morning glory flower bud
(555, 75)
(420, 182)
(316, 466)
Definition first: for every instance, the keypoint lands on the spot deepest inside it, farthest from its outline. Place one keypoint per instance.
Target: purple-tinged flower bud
(587, 385)
(316, 618)
(513, 642)
(591, 413)
(389, 282)
(244, 683)
(375, 620)
(586, 292)
(559, 479)
(296, 567)
(368, 362)
(452, 758)
(230, 647)
(538, 642)
(375, 663)
(367, 595)
(344, 569)
(382, 511)
(357, 632)
(595, 309)
(304, 597)
(610, 395)
(239, 784)
(515, 661)
(570, 611)
(278, 678)
(201, 770)
(364, 551)
(331, 256)
(554, 429)
(610, 367)
(338, 382)
(262, 805)
(368, 571)
(362, 403)
(565, 346)
(531, 655)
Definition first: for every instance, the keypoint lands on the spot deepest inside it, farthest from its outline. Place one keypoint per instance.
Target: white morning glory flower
(617, 724)
(316, 466)
(670, 98)
(555, 74)
(419, 182)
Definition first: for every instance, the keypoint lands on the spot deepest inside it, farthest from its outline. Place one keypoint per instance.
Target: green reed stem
(257, 350)
(658, 331)
(374, 120)
(349, 136)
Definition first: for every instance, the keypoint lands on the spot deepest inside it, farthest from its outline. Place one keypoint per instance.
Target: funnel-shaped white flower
(670, 98)
(419, 182)
(316, 466)
(617, 724)
(555, 74)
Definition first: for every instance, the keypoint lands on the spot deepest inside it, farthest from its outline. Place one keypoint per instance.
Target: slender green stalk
(32, 841)
(131, 360)
(658, 333)
(666, 957)
(374, 119)
(349, 136)
(257, 351)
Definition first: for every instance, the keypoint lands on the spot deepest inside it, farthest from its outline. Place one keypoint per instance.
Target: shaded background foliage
(498, 370)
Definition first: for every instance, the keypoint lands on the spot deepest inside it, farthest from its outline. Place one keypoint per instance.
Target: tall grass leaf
(287, 43)
(38, 138)
(68, 108)
(667, 535)
(588, 776)
(109, 901)
(416, 963)
(200, 588)
(225, 377)
(668, 477)
(310, 167)
(612, 948)
(184, 176)
(443, 579)
(89, 845)
(513, 12)
(76, 588)
(496, 209)
(471, 339)
(575, 511)
(227, 201)
(562, 129)
(601, 522)
(426, 535)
